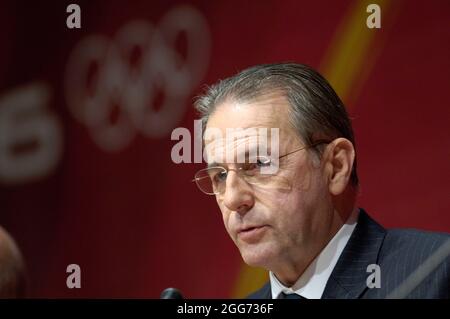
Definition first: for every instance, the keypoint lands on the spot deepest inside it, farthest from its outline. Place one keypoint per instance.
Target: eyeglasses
(212, 180)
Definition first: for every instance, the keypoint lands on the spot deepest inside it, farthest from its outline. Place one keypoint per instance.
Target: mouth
(252, 234)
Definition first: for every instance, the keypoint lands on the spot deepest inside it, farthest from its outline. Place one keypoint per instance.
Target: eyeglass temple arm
(318, 142)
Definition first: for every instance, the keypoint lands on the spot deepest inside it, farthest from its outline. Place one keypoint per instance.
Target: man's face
(288, 222)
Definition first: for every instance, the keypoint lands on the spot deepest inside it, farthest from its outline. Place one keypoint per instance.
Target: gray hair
(315, 108)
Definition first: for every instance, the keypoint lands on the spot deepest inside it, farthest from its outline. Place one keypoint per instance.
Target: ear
(339, 163)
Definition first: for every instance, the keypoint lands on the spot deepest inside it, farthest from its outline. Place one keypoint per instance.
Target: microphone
(171, 293)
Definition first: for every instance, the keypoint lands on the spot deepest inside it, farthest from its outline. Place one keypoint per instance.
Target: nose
(238, 195)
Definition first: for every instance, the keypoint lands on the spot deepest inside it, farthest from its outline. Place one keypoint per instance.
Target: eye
(254, 168)
(263, 161)
(220, 176)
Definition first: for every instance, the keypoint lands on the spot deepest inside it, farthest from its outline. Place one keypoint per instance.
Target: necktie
(282, 295)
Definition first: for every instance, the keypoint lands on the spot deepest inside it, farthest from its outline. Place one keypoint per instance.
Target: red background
(133, 220)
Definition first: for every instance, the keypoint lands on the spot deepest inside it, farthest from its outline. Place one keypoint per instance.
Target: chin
(257, 255)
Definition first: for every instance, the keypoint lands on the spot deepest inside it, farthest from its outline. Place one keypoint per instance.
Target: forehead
(259, 124)
(266, 111)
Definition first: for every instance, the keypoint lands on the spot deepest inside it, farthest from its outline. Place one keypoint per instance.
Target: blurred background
(86, 115)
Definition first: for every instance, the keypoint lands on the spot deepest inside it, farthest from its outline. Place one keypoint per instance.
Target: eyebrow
(247, 153)
(213, 164)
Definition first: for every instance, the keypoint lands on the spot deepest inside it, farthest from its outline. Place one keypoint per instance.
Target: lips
(251, 234)
(248, 228)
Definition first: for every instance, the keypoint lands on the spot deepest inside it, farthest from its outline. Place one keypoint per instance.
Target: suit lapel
(348, 279)
(267, 291)
(264, 293)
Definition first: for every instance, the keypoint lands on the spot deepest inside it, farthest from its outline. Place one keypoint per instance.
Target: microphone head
(171, 293)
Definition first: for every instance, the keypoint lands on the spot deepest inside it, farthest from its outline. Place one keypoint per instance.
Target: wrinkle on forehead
(255, 118)
(231, 150)
(271, 108)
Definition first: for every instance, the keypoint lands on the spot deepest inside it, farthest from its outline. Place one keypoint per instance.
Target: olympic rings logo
(104, 75)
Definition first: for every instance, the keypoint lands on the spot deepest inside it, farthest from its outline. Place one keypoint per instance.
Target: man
(12, 268)
(301, 223)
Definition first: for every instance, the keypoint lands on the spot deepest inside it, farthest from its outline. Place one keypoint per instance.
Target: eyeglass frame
(316, 143)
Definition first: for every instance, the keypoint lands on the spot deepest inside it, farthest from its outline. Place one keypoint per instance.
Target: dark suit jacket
(405, 258)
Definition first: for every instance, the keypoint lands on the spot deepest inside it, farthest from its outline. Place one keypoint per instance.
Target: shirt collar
(312, 282)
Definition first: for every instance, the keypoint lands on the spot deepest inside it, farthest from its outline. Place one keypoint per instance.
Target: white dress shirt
(312, 282)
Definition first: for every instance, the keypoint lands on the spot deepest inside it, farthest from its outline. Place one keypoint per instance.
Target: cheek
(293, 211)
(284, 211)
(307, 203)
(308, 187)
(225, 217)
(302, 179)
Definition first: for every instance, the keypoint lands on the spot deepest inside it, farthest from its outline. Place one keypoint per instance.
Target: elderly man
(299, 221)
